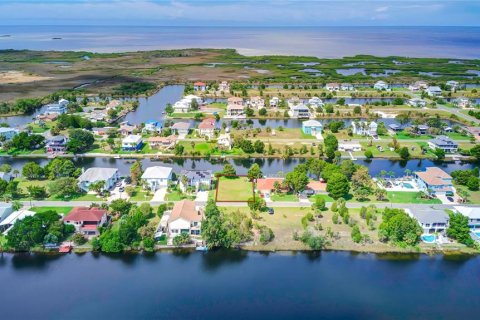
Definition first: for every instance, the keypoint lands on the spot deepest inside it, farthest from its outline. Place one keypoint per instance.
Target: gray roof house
(199, 179)
(430, 220)
(93, 175)
(444, 143)
(6, 209)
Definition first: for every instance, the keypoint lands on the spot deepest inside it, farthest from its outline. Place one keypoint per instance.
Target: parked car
(121, 189)
(270, 211)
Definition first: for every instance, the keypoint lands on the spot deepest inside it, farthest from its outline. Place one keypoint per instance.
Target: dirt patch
(19, 77)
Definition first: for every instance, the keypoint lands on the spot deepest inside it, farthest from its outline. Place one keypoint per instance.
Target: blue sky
(241, 13)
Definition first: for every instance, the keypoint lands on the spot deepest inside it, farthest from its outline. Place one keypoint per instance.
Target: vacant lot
(409, 197)
(234, 189)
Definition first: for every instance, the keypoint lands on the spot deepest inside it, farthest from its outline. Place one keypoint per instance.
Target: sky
(241, 13)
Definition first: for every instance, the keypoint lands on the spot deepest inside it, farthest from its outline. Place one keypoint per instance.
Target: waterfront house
(102, 131)
(347, 87)
(57, 108)
(265, 186)
(473, 215)
(157, 177)
(235, 110)
(126, 128)
(349, 147)
(332, 86)
(206, 128)
(312, 127)
(98, 115)
(132, 143)
(56, 144)
(153, 126)
(8, 133)
(235, 101)
(444, 143)
(453, 85)
(315, 187)
(274, 102)
(431, 221)
(434, 91)
(162, 142)
(6, 209)
(181, 106)
(417, 86)
(113, 104)
(394, 128)
(315, 102)
(363, 128)
(422, 129)
(417, 102)
(185, 217)
(463, 103)
(299, 111)
(224, 86)
(181, 128)
(199, 86)
(95, 174)
(434, 181)
(197, 179)
(224, 141)
(380, 85)
(86, 220)
(256, 102)
(9, 221)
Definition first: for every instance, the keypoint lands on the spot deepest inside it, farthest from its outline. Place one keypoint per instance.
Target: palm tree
(408, 172)
(16, 173)
(97, 187)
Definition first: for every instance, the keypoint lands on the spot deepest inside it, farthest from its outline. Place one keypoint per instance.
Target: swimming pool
(477, 233)
(428, 238)
(407, 185)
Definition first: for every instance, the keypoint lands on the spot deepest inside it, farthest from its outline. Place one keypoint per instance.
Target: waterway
(239, 285)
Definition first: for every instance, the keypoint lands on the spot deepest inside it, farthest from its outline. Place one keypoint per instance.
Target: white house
(380, 85)
(7, 223)
(417, 86)
(57, 108)
(8, 133)
(431, 221)
(235, 101)
(453, 84)
(332, 86)
(349, 147)
(235, 110)
(199, 86)
(434, 91)
(315, 102)
(299, 111)
(224, 86)
(186, 217)
(463, 103)
(256, 102)
(93, 175)
(473, 214)
(132, 142)
(198, 179)
(274, 102)
(153, 126)
(434, 181)
(157, 177)
(363, 128)
(347, 87)
(417, 102)
(206, 128)
(181, 106)
(224, 141)
(181, 128)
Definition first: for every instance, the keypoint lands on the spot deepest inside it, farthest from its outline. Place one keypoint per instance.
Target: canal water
(239, 285)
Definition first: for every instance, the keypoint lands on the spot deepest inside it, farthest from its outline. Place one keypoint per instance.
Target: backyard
(410, 197)
(234, 189)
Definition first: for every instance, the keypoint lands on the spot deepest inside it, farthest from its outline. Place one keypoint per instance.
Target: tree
(37, 192)
(169, 109)
(120, 206)
(229, 170)
(458, 229)
(182, 239)
(257, 205)
(80, 140)
(259, 146)
(63, 187)
(262, 112)
(356, 234)
(79, 239)
(380, 194)
(254, 172)
(97, 186)
(404, 153)
(319, 204)
(399, 227)
(297, 180)
(475, 151)
(440, 153)
(473, 183)
(214, 230)
(32, 171)
(179, 149)
(368, 154)
(338, 185)
(136, 172)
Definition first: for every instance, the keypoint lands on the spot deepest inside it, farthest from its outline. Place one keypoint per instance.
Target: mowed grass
(60, 210)
(409, 197)
(234, 189)
(284, 197)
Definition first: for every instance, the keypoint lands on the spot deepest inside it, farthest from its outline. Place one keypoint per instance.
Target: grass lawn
(60, 210)
(140, 195)
(406, 136)
(284, 197)
(177, 195)
(326, 197)
(234, 189)
(409, 197)
(474, 195)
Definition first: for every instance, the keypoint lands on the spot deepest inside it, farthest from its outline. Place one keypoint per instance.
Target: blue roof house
(312, 127)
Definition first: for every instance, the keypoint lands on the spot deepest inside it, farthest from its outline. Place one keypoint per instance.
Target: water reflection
(214, 260)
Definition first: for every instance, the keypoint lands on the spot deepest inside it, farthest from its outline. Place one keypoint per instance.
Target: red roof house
(86, 220)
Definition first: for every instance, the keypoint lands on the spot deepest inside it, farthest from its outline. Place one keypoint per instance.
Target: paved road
(458, 113)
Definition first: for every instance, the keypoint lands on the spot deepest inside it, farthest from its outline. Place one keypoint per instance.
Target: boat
(117, 156)
(65, 248)
(201, 248)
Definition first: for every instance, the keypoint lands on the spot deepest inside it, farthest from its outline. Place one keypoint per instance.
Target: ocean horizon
(322, 42)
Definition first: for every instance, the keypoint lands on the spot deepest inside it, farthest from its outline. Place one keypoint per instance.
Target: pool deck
(397, 185)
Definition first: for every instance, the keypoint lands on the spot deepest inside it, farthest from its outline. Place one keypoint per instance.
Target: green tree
(259, 146)
(179, 149)
(229, 170)
(338, 185)
(32, 170)
(458, 229)
(63, 187)
(404, 153)
(356, 234)
(368, 154)
(120, 206)
(136, 172)
(297, 180)
(182, 239)
(214, 230)
(439, 153)
(254, 172)
(80, 140)
(399, 227)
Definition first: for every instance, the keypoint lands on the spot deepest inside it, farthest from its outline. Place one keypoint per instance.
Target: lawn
(60, 210)
(474, 195)
(290, 197)
(140, 195)
(234, 189)
(177, 195)
(409, 197)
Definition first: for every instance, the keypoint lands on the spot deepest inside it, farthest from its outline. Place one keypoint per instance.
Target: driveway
(202, 196)
(160, 194)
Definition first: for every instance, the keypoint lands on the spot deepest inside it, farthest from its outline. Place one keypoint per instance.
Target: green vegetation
(234, 189)
(399, 228)
(410, 197)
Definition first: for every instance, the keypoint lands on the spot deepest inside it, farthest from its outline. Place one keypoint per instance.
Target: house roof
(16, 215)
(181, 126)
(312, 123)
(171, 138)
(433, 176)
(429, 216)
(234, 106)
(187, 210)
(444, 141)
(266, 184)
(434, 88)
(471, 212)
(235, 100)
(197, 174)
(85, 214)
(157, 172)
(132, 138)
(317, 185)
(199, 83)
(58, 138)
(207, 124)
(97, 174)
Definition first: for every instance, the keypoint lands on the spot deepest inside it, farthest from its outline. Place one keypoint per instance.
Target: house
(299, 111)
(235, 110)
(87, 220)
(315, 187)
(57, 108)
(181, 128)
(347, 87)
(453, 85)
(363, 128)
(181, 106)
(8, 133)
(98, 115)
(394, 128)
(206, 128)
(132, 143)
(199, 86)
(417, 102)
(56, 144)
(197, 179)
(5, 176)
(380, 85)
(274, 102)
(153, 126)
(315, 102)
(235, 101)
(473, 214)
(185, 217)
(265, 186)
(93, 175)
(434, 181)
(422, 129)
(9, 221)
(162, 142)
(224, 141)
(47, 117)
(102, 131)
(444, 143)
(157, 177)
(417, 86)
(312, 127)
(113, 104)
(332, 86)
(224, 86)
(6, 209)
(463, 103)
(349, 147)
(256, 102)
(434, 91)
(126, 128)
(431, 221)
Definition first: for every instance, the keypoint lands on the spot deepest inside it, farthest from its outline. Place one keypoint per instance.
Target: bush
(266, 235)
(356, 234)
(182, 239)
(368, 154)
(79, 239)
